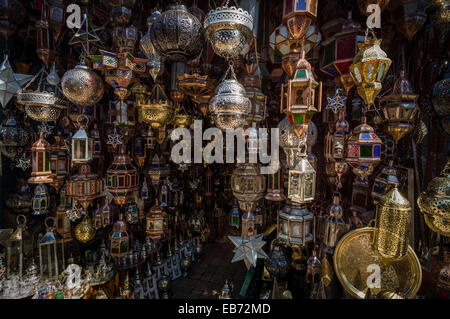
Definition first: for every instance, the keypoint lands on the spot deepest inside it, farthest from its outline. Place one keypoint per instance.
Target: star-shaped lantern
(10, 82)
(23, 162)
(248, 249)
(115, 139)
(337, 102)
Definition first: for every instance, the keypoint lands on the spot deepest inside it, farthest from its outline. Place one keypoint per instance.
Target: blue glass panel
(366, 136)
(301, 5)
(376, 150)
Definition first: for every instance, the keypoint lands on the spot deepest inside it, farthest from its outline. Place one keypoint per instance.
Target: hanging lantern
(384, 182)
(106, 214)
(229, 30)
(156, 222)
(248, 225)
(59, 162)
(363, 149)
(410, 17)
(198, 87)
(313, 270)
(132, 212)
(56, 16)
(85, 186)
(369, 68)
(158, 170)
(19, 248)
(335, 143)
(392, 224)
(275, 185)
(229, 105)
(85, 230)
(97, 220)
(298, 15)
(119, 241)
(252, 86)
(293, 145)
(150, 139)
(146, 45)
(294, 224)
(96, 142)
(51, 252)
(300, 96)
(360, 196)
(302, 182)
(13, 138)
(63, 225)
(82, 146)
(434, 203)
(334, 225)
(248, 185)
(234, 215)
(144, 189)
(42, 172)
(45, 39)
(121, 178)
(41, 200)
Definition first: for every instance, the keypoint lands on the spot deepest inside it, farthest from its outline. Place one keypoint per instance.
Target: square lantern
(42, 172)
(275, 185)
(295, 225)
(51, 252)
(248, 225)
(63, 226)
(82, 147)
(302, 182)
(156, 222)
(298, 15)
(59, 162)
(234, 218)
(19, 248)
(119, 241)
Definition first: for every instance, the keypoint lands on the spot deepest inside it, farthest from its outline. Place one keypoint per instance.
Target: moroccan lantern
(248, 225)
(400, 108)
(41, 200)
(248, 185)
(198, 87)
(146, 46)
(363, 149)
(156, 222)
(84, 186)
(298, 15)
(45, 39)
(82, 146)
(19, 248)
(59, 162)
(229, 105)
(188, 43)
(63, 225)
(298, 96)
(335, 143)
(334, 225)
(56, 15)
(252, 86)
(295, 225)
(125, 38)
(229, 30)
(96, 142)
(42, 172)
(132, 212)
(51, 252)
(434, 203)
(97, 218)
(302, 182)
(275, 185)
(313, 270)
(121, 178)
(384, 182)
(106, 214)
(158, 170)
(234, 215)
(294, 146)
(392, 224)
(119, 240)
(369, 68)
(360, 196)
(13, 138)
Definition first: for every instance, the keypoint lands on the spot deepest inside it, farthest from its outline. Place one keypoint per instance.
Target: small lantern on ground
(19, 248)
(42, 172)
(51, 252)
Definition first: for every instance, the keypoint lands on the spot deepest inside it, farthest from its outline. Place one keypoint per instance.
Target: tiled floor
(206, 277)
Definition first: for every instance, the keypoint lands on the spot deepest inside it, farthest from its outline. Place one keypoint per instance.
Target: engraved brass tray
(354, 253)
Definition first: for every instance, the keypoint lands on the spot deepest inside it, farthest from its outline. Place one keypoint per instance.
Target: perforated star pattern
(337, 102)
(23, 162)
(115, 139)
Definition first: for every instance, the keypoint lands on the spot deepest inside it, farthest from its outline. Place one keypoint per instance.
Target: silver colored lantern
(295, 225)
(302, 182)
(248, 185)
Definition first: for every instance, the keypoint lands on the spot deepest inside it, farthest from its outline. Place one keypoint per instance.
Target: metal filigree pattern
(82, 86)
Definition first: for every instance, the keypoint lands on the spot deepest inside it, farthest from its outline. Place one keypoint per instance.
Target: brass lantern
(434, 203)
(275, 185)
(400, 108)
(121, 178)
(335, 143)
(334, 225)
(85, 186)
(82, 146)
(298, 96)
(157, 222)
(302, 182)
(298, 15)
(119, 241)
(392, 224)
(19, 248)
(248, 185)
(369, 68)
(384, 182)
(158, 170)
(295, 225)
(51, 252)
(363, 150)
(59, 162)
(41, 200)
(42, 172)
(293, 145)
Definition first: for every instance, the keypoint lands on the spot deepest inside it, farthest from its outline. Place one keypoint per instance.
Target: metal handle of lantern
(50, 218)
(81, 117)
(23, 217)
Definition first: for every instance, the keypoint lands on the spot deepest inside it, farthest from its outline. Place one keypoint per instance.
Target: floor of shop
(206, 277)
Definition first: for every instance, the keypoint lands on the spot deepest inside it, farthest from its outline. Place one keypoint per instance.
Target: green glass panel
(114, 181)
(301, 74)
(365, 151)
(329, 52)
(275, 180)
(47, 162)
(298, 118)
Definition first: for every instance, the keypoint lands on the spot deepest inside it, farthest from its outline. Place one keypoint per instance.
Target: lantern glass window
(48, 256)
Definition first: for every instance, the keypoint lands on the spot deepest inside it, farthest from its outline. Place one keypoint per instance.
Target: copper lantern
(42, 172)
(119, 241)
(298, 15)
(156, 222)
(85, 186)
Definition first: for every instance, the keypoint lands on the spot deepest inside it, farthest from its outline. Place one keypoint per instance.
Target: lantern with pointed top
(42, 172)
(157, 222)
(302, 182)
(82, 146)
(119, 240)
(298, 15)
(85, 186)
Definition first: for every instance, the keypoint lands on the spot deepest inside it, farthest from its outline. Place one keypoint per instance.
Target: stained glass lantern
(400, 108)
(132, 212)
(51, 252)
(335, 143)
(45, 39)
(275, 185)
(334, 225)
(234, 215)
(302, 182)
(363, 149)
(121, 178)
(384, 182)
(97, 218)
(299, 94)
(41, 200)
(82, 147)
(19, 248)
(42, 172)
(369, 68)
(158, 170)
(119, 241)
(97, 143)
(84, 186)
(298, 15)
(106, 214)
(248, 185)
(156, 222)
(252, 85)
(59, 162)
(248, 225)
(295, 225)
